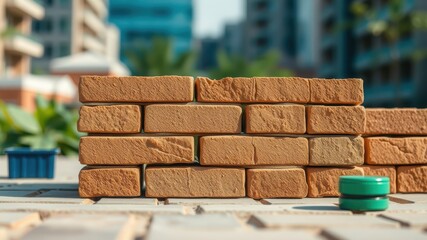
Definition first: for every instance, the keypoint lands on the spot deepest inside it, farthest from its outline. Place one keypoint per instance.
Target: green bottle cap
(364, 185)
(364, 204)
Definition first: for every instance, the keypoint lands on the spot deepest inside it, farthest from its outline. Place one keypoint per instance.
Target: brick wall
(256, 137)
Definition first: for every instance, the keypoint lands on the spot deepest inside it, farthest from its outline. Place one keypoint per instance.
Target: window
(64, 3)
(64, 49)
(47, 50)
(261, 42)
(262, 23)
(48, 3)
(64, 25)
(262, 5)
(385, 74)
(406, 70)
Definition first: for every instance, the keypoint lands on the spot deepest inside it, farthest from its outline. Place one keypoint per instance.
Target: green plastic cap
(364, 185)
(364, 204)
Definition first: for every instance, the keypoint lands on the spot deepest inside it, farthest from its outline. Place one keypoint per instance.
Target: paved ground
(51, 209)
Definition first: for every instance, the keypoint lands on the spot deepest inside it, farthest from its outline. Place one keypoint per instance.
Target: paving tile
(375, 233)
(211, 201)
(129, 201)
(319, 221)
(207, 222)
(18, 219)
(413, 197)
(3, 233)
(42, 186)
(418, 220)
(96, 208)
(301, 200)
(196, 234)
(83, 226)
(6, 194)
(316, 209)
(403, 208)
(241, 208)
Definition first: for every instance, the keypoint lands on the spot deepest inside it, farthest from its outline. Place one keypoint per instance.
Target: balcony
(99, 7)
(374, 57)
(92, 44)
(94, 22)
(23, 45)
(25, 7)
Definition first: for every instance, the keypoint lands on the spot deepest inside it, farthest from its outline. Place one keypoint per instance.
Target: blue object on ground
(31, 163)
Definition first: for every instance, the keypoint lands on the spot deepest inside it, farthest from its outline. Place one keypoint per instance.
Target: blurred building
(16, 44)
(72, 27)
(141, 20)
(354, 52)
(207, 50)
(271, 25)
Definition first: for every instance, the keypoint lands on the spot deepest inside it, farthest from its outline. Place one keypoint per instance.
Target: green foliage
(50, 126)
(235, 66)
(157, 58)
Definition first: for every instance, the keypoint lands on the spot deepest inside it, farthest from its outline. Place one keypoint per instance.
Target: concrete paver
(418, 220)
(127, 201)
(211, 201)
(302, 200)
(18, 219)
(414, 197)
(369, 233)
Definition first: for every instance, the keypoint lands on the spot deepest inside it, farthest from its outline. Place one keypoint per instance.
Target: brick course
(403, 121)
(193, 118)
(136, 89)
(396, 151)
(253, 90)
(110, 182)
(336, 91)
(250, 150)
(194, 181)
(323, 181)
(276, 183)
(335, 120)
(288, 119)
(412, 179)
(110, 119)
(136, 150)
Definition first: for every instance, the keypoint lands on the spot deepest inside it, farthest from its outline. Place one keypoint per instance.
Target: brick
(136, 150)
(411, 179)
(323, 182)
(396, 151)
(288, 119)
(336, 91)
(180, 181)
(110, 119)
(193, 118)
(276, 183)
(136, 89)
(403, 121)
(336, 151)
(250, 150)
(386, 171)
(110, 182)
(335, 119)
(253, 90)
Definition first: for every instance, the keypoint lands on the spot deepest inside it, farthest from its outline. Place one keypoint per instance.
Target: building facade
(16, 45)
(72, 27)
(141, 20)
(393, 77)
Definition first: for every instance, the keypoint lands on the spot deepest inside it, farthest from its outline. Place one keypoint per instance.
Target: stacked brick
(254, 137)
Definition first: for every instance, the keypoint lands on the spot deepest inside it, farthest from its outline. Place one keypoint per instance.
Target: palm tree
(157, 58)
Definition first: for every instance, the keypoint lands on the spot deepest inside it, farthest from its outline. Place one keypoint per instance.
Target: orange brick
(396, 151)
(250, 150)
(386, 171)
(336, 91)
(110, 182)
(194, 181)
(335, 119)
(110, 119)
(323, 182)
(253, 90)
(136, 89)
(336, 151)
(403, 121)
(412, 179)
(288, 119)
(276, 183)
(136, 150)
(193, 118)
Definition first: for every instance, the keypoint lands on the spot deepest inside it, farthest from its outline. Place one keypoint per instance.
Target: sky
(210, 16)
